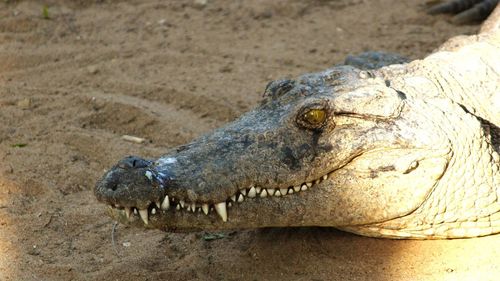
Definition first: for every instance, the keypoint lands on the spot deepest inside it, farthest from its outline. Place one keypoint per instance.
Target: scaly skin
(405, 151)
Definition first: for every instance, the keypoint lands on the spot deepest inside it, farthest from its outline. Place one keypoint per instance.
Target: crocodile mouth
(172, 204)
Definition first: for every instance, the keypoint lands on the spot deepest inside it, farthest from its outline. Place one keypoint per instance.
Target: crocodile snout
(130, 183)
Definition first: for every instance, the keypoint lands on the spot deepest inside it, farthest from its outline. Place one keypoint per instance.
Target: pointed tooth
(290, 190)
(128, 212)
(220, 208)
(241, 198)
(303, 187)
(277, 193)
(309, 184)
(296, 188)
(258, 189)
(153, 211)
(135, 211)
(166, 204)
(252, 192)
(233, 198)
(270, 191)
(325, 177)
(283, 191)
(182, 203)
(178, 207)
(263, 193)
(204, 207)
(198, 209)
(244, 192)
(230, 204)
(144, 215)
(193, 207)
(317, 181)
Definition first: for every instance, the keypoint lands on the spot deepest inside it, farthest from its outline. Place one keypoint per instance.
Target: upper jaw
(157, 207)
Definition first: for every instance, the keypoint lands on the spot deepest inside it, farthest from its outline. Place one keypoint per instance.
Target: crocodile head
(336, 148)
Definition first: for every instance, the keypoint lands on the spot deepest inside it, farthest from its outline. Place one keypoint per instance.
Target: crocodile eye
(313, 117)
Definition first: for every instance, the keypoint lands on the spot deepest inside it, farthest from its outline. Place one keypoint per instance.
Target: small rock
(24, 103)
(200, 4)
(226, 69)
(8, 169)
(126, 244)
(92, 69)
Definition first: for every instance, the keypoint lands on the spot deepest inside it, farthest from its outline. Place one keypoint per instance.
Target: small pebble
(200, 4)
(24, 103)
(92, 69)
(126, 244)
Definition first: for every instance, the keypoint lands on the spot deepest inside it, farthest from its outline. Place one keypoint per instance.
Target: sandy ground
(168, 71)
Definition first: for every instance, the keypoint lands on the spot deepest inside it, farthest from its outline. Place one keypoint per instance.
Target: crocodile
(407, 150)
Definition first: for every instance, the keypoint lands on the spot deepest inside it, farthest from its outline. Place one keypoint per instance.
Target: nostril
(113, 186)
(133, 162)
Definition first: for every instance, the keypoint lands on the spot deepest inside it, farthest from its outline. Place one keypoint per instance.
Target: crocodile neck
(457, 86)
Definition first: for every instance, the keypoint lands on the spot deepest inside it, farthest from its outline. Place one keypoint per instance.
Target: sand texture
(75, 79)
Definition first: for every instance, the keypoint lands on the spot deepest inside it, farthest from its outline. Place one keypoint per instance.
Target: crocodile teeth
(309, 184)
(263, 193)
(220, 208)
(283, 191)
(204, 207)
(244, 192)
(144, 215)
(270, 191)
(193, 207)
(325, 177)
(277, 193)
(252, 192)
(303, 187)
(258, 189)
(153, 211)
(178, 207)
(290, 190)
(296, 188)
(233, 198)
(128, 212)
(158, 204)
(229, 204)
(182, 203)
(166, 204)
(135, 211)
(241, 198)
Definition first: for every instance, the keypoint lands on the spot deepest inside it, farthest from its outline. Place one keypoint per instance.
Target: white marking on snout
(165, 161)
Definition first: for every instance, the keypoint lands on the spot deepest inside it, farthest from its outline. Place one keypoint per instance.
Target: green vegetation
(19, 145)
(45, 12)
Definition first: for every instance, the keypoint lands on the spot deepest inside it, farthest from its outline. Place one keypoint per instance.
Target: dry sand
(168, 71)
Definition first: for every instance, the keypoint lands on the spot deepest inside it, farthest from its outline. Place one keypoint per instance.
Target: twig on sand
(133, 139)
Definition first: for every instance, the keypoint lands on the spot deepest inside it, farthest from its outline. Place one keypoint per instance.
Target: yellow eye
(315, 117)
